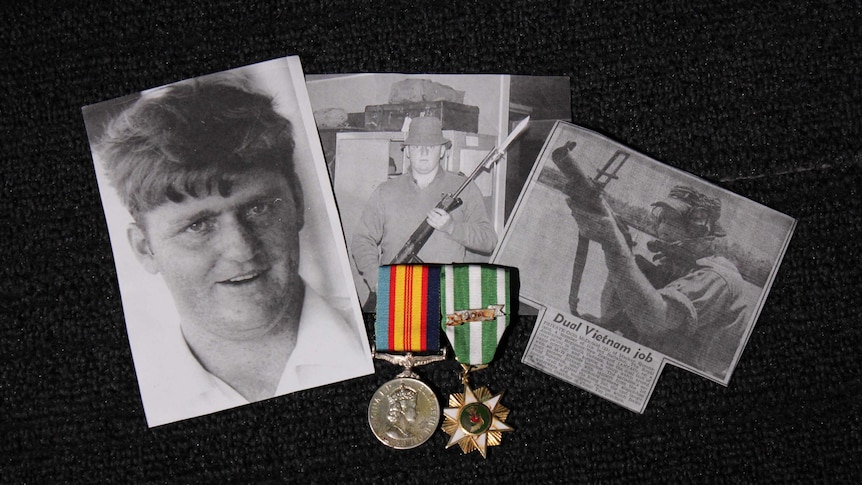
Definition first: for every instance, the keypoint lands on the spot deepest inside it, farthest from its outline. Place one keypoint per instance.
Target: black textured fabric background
(760, 97)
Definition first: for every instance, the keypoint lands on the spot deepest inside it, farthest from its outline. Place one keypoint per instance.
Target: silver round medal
(403, 413)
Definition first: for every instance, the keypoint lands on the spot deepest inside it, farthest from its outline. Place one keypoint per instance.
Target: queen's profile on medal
(402, 412)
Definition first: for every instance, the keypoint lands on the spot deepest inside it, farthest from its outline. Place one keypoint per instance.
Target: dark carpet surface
(761, 98)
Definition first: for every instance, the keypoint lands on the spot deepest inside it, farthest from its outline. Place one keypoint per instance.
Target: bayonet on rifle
(450, 202)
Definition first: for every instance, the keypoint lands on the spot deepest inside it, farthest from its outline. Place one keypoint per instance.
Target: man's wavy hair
(191, 139)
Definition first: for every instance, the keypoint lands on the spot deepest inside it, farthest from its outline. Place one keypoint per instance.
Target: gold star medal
(476, 419)
(473, 300)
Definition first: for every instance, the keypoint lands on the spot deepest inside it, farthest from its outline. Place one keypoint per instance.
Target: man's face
(670, 224)
(231, 263)
(424, 159)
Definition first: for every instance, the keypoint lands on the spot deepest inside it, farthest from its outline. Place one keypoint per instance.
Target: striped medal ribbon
(408, 308)
(475, 291)
(475, 303)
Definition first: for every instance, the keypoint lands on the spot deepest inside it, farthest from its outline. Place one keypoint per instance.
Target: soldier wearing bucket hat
(689, 302)
(399, 205)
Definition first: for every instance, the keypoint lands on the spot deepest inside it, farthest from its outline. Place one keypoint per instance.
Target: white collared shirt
(175, 386)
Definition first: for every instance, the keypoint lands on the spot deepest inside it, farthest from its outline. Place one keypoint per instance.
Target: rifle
(589, 192)
(450, 202)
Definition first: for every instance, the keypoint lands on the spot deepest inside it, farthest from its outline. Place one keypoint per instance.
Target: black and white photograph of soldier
(399, 205)
(397, 144)
(651, 253)
(232, 268)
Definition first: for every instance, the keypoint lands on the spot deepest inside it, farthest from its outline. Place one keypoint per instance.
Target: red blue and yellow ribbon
(408, 308)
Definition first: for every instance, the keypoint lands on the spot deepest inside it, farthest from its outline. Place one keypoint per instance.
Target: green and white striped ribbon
(470, 287)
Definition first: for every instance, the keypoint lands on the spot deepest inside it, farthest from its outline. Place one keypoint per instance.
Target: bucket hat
(425, 130)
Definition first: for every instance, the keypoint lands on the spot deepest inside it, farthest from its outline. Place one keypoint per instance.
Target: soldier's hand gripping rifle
(588, 193)
(450, 202)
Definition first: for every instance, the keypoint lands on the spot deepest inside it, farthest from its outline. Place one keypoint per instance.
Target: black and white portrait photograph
(232, 267)
(397, 144)
(643, 250)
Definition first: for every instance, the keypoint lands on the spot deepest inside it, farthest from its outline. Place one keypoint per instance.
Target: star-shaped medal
(475, 420)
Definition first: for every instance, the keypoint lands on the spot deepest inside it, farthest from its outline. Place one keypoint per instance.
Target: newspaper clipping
(632, 264)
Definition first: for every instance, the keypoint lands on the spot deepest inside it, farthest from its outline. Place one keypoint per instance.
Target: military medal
(474, 300)
(405, 412)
